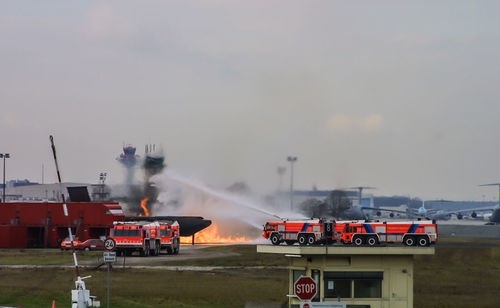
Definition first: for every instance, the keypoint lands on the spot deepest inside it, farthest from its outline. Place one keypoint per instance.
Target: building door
(35, 237)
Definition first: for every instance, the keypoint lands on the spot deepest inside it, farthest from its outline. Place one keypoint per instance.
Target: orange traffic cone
(54, 303)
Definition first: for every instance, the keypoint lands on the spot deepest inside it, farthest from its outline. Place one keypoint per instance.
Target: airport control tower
(129, 160)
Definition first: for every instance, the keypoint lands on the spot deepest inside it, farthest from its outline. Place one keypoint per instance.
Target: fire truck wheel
(177, 247)
(302, 239)
(87, 249)
(290, 243)
(275, 239)
(372, 241)
(409, 240)
(145, 251)
(311, 240)
(169, 250)
(157, 250)
(358, 241)
(423, 241)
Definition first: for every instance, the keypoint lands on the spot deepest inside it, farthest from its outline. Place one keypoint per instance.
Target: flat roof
(345, 250)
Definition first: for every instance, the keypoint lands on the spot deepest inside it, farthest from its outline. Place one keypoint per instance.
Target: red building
(30, 225)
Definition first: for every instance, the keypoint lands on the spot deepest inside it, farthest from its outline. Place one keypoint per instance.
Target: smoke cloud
(235, 213)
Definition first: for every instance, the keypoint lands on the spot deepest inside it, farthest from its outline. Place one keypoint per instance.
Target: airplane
(410, 212)
(492, 213)
(422, 211)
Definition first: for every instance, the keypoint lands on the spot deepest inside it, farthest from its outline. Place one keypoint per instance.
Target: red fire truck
(357, 232)
(305, 232)
(169, 236)
(144, 237)
(410, 233)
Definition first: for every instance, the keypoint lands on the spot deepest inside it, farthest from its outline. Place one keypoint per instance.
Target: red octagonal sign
(305, 288)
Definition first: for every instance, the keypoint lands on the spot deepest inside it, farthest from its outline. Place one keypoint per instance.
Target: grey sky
(398, 95)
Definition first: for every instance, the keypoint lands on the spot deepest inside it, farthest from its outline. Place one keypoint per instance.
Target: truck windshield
(126, 232)
(269, 227)
(165, 232)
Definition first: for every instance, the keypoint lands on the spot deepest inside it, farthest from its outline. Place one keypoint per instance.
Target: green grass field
(453, 277)
(458, 277)
(145, 288)
(43, 256)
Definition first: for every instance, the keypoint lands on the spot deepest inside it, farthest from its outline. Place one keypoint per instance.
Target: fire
(211, 235)
(143, 205)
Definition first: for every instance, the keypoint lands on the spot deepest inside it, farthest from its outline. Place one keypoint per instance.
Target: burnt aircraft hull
(189, 225)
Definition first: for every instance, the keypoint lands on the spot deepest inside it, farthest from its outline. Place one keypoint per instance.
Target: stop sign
(305, 288)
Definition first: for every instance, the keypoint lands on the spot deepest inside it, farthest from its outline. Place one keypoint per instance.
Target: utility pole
(4, 156)
(291, 159)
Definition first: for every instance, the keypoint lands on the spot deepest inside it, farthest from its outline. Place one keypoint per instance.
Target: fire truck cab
(169, 237)
(410, 233)
(136, 236)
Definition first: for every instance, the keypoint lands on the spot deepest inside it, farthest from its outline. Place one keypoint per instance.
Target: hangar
(43, 224)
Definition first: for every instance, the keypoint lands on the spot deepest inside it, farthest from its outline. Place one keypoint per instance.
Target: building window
(368, 288)
(335, 288)
(342, 284)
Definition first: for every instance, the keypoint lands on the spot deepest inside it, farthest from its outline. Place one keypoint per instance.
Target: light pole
(291, 159)
(4, 156)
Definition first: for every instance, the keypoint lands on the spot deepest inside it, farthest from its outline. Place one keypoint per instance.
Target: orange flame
(143, 205)
(211, 235)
